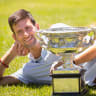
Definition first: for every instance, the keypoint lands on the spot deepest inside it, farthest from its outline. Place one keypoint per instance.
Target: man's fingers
(18, 49)
(51, 70)
(21, 50)
(25, 51)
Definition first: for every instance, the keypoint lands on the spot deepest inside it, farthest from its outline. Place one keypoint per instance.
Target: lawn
(46, 13)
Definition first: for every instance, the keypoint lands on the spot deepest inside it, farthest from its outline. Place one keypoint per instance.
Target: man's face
(25, 32)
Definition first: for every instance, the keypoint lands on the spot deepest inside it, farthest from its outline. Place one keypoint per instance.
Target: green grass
(46, 12)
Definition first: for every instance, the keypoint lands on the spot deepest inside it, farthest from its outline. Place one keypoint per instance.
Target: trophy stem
(68, 60)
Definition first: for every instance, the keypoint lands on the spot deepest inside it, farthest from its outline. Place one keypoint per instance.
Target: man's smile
(28, 39)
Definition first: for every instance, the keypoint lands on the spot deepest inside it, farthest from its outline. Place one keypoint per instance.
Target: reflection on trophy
(67, 41)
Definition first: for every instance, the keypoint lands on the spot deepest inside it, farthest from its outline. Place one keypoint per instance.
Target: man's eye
(19, 32)
(28, 28)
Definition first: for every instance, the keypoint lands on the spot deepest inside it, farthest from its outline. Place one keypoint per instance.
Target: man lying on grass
(37, 70)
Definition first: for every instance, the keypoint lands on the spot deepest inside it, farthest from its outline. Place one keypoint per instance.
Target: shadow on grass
(26, 90)
(33, 86)
(91, 90)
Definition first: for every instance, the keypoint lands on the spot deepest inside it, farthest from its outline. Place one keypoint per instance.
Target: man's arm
(85, 56)
(7, 58)
(16, 50)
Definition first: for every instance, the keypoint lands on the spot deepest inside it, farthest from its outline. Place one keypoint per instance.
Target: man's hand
(55, 65)
(19, 49)
(16, 50)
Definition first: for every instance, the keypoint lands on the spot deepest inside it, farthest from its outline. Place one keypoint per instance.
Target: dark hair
(19, 15)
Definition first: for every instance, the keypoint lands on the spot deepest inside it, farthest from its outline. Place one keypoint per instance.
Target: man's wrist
(5, 65)
(13, 54)
(13, 51)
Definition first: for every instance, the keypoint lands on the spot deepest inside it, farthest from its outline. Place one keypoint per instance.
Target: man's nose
(26, 34)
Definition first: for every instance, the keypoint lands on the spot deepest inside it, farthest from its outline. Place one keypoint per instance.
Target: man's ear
(37, 26)
(14, 36)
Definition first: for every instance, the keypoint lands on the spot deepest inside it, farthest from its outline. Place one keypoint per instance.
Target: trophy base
(84, 92)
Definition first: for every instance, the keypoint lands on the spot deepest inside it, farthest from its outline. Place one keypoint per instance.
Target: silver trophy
(67, 41)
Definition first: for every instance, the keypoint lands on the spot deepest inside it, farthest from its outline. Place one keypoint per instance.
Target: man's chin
(31, 45)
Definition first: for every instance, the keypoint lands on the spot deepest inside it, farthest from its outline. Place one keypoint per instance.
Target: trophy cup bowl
(67, 41)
